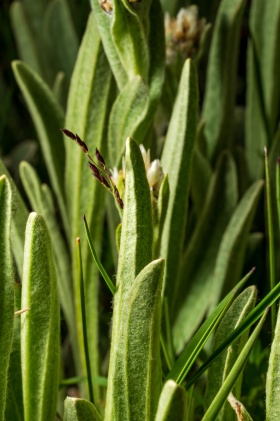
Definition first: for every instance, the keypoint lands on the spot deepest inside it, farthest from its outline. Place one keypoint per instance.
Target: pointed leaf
(6, 288)
(76, 409)
(40, 326)
(172, 403)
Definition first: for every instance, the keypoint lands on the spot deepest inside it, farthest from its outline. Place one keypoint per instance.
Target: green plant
(179, 232)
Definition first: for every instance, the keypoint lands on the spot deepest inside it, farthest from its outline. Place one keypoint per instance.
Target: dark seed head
(116, 192)
(69, 134)
(81, 144)
(95, 171)
(99, 157)
(120, 202)
(105, 182)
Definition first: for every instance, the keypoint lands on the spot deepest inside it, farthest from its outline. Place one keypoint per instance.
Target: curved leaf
(172, 403)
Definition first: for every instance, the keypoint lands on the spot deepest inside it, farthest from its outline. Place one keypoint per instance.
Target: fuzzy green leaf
(218, 107)
(221, 396)
(220, 368)
(48, 118)
(6, 288)
(176, 161)
(41, 201)
(273, 378)
(135, 254)
(172, 403)
(143, 362)
(127, 113)
(88, 108)
(40, 326)
(20, 215)
(193, 294)
(76, 409)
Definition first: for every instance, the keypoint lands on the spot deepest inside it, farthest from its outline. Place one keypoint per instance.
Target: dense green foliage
(177, 119)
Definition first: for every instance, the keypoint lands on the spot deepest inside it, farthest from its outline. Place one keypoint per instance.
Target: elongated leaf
(255, 314)
(19, 219)
(193, 295)
(221, 396)
(263, 93)
(196, 344)
(39, 197)
(127, 113)
(48, 119)
(273, 378)
(6, 287)
(176, 161)
(220, 368)
(103, 21)
(61, 36)
(135, 254)
(143, 362)
(233, 246)
(218, 107)
(40, 326)
(129, 37)
(26, 43)
(76, 409)
(87, 114)
(172, 403)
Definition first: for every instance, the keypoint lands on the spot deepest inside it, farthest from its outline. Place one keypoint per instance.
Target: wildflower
(183, 34)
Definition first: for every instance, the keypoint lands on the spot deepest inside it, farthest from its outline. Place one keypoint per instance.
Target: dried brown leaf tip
(107, 6)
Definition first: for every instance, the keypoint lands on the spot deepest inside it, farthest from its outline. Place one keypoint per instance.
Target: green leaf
(26, 43)
(218, 106)
(41, 202)
(263, 86)
(6, 288)
(48, 118)
(172, 403)
(273, 378)
(61, 36)
(142, 337)
(159, 214)
(135, 254)
(255, 314)
(76, 409)
(40, 326)
(176, 161)
(232, 250)
(19, 218)
(103, 21)
(196, 344)
(127, 113)
(220, 368)
(88, 108)
(193, 293)
(221, 396)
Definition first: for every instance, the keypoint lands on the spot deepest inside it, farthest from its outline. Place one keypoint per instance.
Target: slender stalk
(84, 322)
(169, 341)
(271, 239)
(165, 352)
(99, 265)
(278, 189)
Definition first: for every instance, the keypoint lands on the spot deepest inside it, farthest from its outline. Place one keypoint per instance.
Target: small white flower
(155, 173)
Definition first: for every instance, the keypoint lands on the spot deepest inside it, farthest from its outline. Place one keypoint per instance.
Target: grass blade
(228, 384)
(40, 325)
(270, 239)
(255, 314)
(198, 340)
(220, 368)
(84, 321)
(101, 269)
(6, 288)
